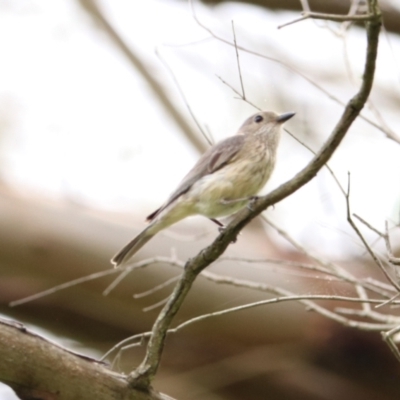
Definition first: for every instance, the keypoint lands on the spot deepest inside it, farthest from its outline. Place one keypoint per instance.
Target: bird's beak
(284, 117)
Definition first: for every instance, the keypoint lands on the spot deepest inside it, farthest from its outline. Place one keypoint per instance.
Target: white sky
(78, 122)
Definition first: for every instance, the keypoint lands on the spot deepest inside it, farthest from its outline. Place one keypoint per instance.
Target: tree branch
(142, 376)
(38, 369)
(390, 13)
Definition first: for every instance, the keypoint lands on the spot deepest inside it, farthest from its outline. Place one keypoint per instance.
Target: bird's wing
(215, 158)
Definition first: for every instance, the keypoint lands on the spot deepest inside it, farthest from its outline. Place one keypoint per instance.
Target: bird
(223, 180)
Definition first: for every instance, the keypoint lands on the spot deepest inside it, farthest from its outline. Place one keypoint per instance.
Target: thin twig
(237, 60)
(329, 17)
(340, 18)
(156, 288)
(361, 325)
(140, 337)
(384, 286)
(237, 92)
(156, 305)
(389, 301)
(294, 21)
(337, 274)
(97, 275)
(368, 225)
(63, 286)
(313, 152)
(329, 266)
(385, 318)
(392, 259)
(388, 338)
(180, 90)
(336, 270)
(124, 273)
(370, 251)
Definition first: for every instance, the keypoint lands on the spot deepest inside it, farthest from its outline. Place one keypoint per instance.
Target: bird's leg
(217, 222)
(220, 224)
(221, 227)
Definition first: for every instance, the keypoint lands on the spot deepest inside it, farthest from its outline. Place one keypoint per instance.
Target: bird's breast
(214, 194)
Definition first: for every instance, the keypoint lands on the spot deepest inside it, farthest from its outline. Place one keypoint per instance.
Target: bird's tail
(133, 246)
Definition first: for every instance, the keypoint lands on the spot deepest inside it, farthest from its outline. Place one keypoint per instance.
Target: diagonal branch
(142, 376)
(94, 10)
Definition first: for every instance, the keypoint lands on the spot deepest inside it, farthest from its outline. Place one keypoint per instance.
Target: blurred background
(97, 100)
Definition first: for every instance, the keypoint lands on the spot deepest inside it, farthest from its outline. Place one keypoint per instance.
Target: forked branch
(143, 375)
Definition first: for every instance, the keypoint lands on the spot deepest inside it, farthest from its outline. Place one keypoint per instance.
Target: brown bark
(38, 369)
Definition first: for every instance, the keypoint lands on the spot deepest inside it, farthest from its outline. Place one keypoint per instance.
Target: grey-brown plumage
(222, 180)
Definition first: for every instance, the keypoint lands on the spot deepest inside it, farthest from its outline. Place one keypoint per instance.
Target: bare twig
(392, 259)
(156, 305)
(366, 245)
(181, 92)
(388, 301)
(337, 273)
(335, 269)
(137, 339)
(388, 338)
(238, 93)
(124, 273)
(361, 325)
(312, 151)
(124, 269)
(238, 62)
(328, 17)
(95, 11)
(63, 286)
(340, 18)
(384, 318)
(156, 288)
(328, 266)
(368, 225)
(305, 6)
(292, 22)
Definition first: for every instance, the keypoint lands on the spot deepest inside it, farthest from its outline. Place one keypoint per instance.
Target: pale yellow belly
(236, 181)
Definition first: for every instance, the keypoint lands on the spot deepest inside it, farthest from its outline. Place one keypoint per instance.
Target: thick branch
(38, 369)
(146, 371)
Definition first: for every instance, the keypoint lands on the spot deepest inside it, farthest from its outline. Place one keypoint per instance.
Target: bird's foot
(222, 229)
(232, 201)
(252, 200)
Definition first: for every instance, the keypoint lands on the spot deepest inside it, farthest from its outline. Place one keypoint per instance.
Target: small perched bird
(222, 181)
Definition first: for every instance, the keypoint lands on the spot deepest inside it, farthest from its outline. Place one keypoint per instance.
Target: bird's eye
(258, 118)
